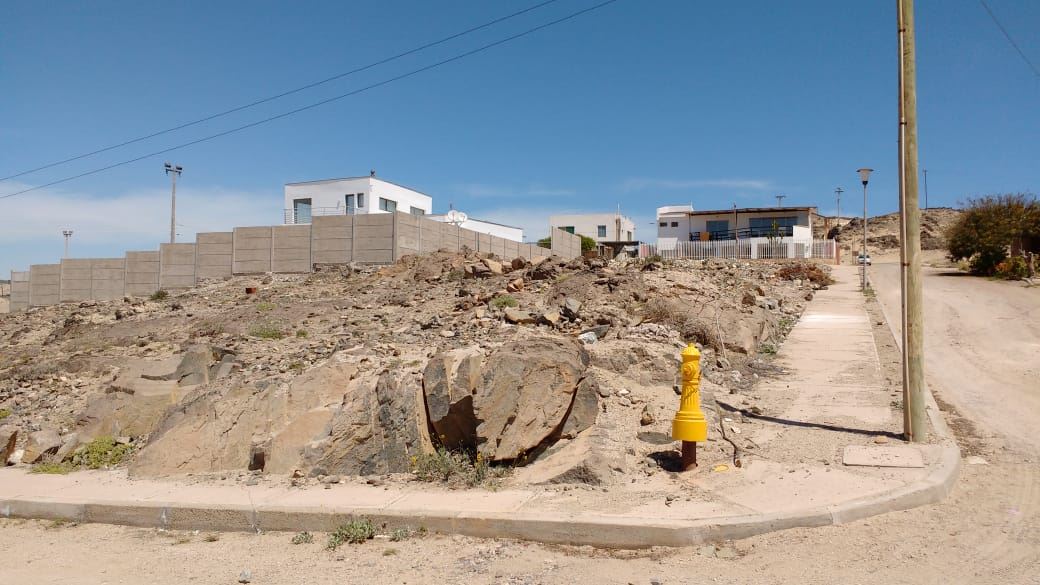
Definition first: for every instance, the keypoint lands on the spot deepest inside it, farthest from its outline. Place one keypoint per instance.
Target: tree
(992, 228)
(587, 243)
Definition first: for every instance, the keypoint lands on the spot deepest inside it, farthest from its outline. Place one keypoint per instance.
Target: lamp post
(173, 171)
(838, 191)
(68, 236)
(864, 177)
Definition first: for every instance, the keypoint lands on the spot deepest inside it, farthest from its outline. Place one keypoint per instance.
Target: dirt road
(982, 349)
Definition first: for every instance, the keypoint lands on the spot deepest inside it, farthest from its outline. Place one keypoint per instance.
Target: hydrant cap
(691, 353)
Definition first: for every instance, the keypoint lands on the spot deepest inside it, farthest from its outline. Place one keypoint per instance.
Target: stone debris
(353, 371)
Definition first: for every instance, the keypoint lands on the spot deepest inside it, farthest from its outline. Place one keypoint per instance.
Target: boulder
(584, 408)
(592, 457)
(519, 263)
(571, 308)
(199, 364)
(41, 443)
(551, 317)
(545, 270)
(449, 382)
(526, 389)
(519, 316)
(8, 438)
(493, 265)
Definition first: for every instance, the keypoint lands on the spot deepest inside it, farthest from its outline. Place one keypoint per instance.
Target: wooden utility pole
(915, 419)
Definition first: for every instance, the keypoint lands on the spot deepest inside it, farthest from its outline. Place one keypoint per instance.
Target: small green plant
(159, 295)
(399, 534)
(302, 538)
(4, 413)
(654, 259)
(102, 452)
(266, 330)
(52, 467)
(301, 333)
(504, 301)
(264, 307)
(356, 531)
(768, 348)
(455, 468)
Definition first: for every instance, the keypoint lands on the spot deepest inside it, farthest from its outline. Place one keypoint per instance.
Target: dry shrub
(805, 271)
(675, 315)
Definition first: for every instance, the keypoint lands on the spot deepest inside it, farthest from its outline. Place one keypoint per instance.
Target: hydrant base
(690, 430)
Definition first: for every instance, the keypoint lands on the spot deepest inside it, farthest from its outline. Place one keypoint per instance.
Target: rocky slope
(883, 230)
(565, 369)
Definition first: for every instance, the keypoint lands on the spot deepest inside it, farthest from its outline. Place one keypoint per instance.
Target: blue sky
(640, 103)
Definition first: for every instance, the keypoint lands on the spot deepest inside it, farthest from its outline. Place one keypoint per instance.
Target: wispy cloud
(481, 191)
(30, 225)
(646, 184)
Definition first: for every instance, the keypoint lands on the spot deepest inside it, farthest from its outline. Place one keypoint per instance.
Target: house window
(350, 204)
(387, 204)
(601, 231)
(675, 224)
(416, 211)
(301, 210)
(772, 226)
(718, 228)
(663, 224)
(360, 200)
(628, 236)
(568, 228)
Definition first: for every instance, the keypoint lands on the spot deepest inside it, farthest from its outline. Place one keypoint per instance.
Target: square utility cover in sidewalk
(883, 456)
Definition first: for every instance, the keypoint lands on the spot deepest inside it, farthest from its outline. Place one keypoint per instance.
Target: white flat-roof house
(360, 195)
(683, 223)
(602, 227)
(483, 226)
(350, 196)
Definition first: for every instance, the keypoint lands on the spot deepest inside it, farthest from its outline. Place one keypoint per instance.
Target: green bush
(504, 301)
(53, 467)
(266, 330)
(159, 295)
(990, 227)
(356, 531)
(454, 468)
(102, 452)
(4, 413)
(303, 538)
(1013, 268)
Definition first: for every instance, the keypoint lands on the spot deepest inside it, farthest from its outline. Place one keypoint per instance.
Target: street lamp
(68, 236)
(864, 177)
(173, 171)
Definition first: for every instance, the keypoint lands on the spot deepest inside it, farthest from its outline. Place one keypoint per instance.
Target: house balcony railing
(303, 216)
(744, 233)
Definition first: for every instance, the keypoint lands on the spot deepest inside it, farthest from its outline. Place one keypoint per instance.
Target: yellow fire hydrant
(689, 424)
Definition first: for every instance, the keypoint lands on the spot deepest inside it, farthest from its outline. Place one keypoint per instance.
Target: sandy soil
(986, 532)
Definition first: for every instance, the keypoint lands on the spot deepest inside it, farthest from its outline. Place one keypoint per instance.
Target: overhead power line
(1011, 40)
(280, 95)
(311, 106)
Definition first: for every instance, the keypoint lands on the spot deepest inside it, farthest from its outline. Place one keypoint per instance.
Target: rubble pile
(565, 370)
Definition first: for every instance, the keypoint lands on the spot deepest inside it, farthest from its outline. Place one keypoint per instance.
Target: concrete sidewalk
(830, 403)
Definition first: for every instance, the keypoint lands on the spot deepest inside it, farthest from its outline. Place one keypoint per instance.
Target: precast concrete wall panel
(44, 284)
(566, 244)
(467, 239)
(176, 266)
(75, 279)
(332, 239)
(406, 235)
(19, 290)
(374, 238)
(291, 248)
(142, 273)
(107, 279)
(511, 249)
(483, 243)
(213, 254)
(251, 250)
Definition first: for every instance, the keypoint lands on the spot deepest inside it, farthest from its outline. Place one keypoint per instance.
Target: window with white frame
(387, 204)
(601, 231)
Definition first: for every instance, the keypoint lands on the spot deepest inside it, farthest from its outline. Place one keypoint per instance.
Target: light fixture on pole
(838, 191)
(864, 177)
(780, 200)
(173, 171)
(68, 236)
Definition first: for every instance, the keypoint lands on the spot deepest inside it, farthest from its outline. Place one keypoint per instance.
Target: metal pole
(68, 236)
(926, 188)
(863, 283)
(837, 222)
(173, 207)
(914, 336)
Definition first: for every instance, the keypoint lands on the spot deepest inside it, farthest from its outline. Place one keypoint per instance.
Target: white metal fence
(750, 249)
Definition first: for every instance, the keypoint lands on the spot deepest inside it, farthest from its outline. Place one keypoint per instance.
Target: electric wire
(280, 95)
(323, 102)
(1010, 39)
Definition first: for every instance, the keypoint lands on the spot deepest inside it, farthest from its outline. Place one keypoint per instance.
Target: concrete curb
(599, 531)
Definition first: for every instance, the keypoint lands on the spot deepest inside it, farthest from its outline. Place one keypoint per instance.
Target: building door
(301, 210)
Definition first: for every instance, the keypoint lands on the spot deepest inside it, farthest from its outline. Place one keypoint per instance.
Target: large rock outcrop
(449, 382)
(332, 419)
